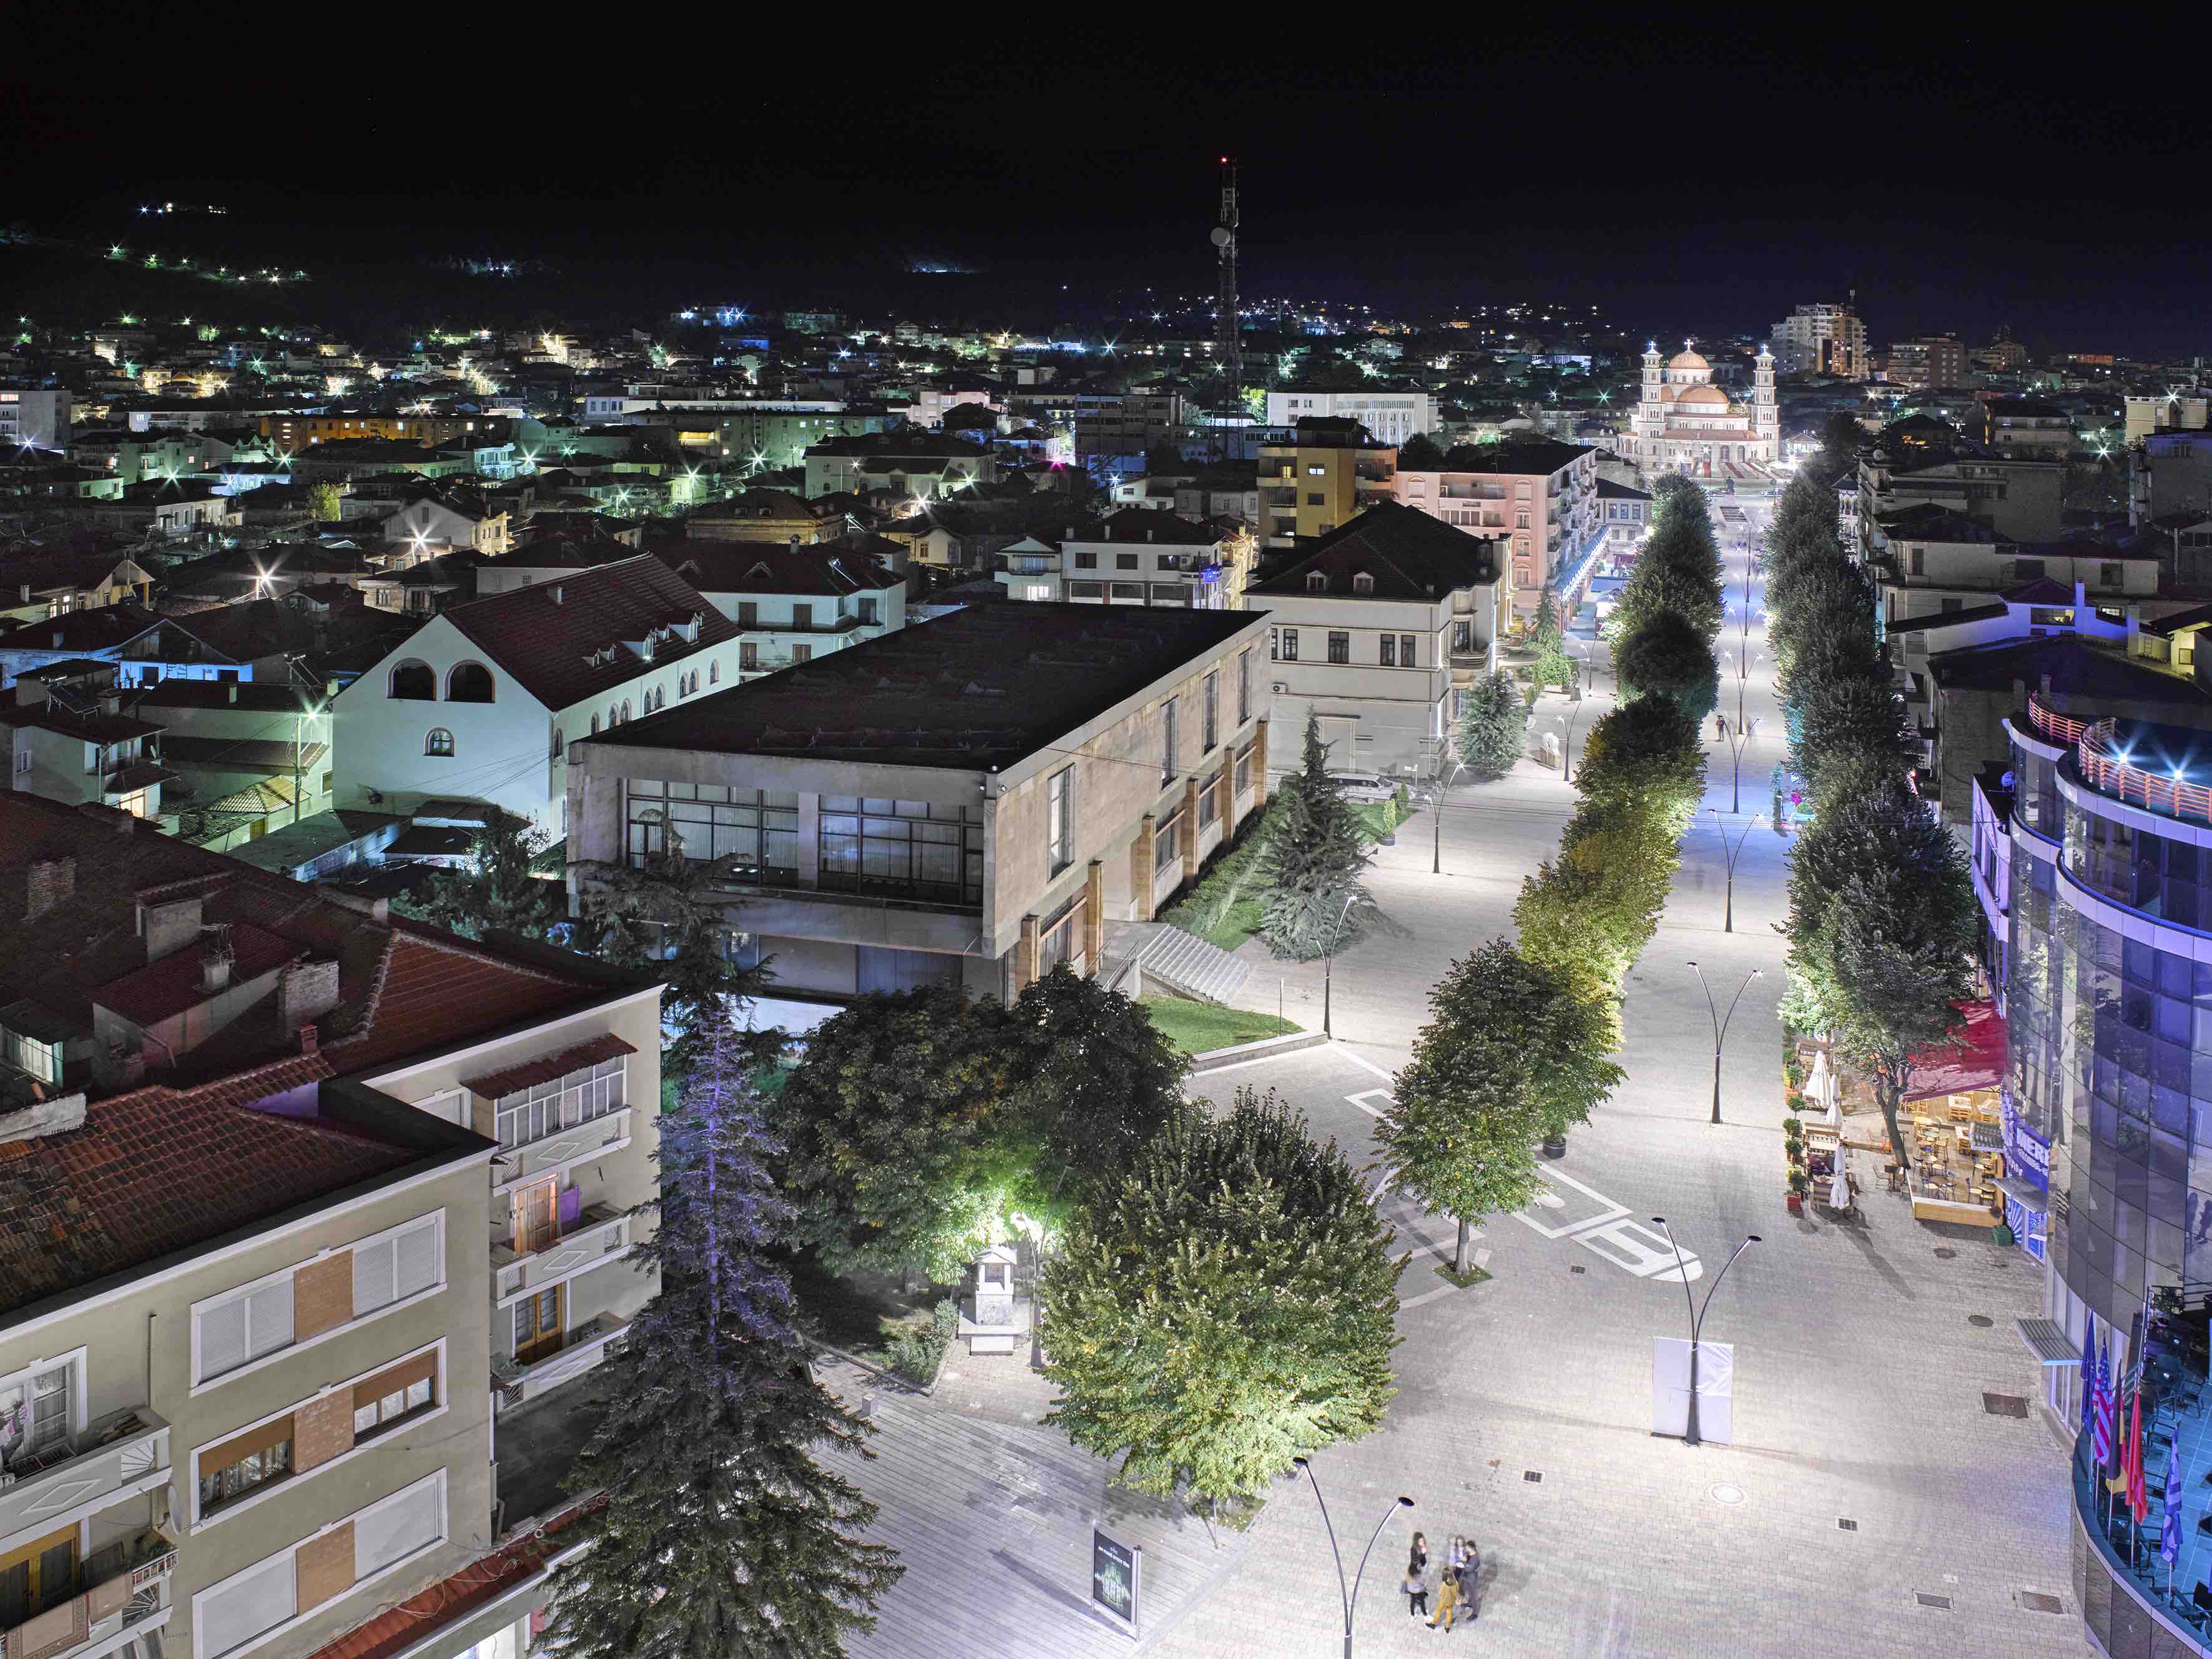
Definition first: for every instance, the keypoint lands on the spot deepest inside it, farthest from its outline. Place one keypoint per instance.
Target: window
(1167, 844)
(411, 1519)
(1290, 645)
(400, 1264)
(2108, 575)
(802, 614)
(557, 744)
(1316, 471)
(1314, 499)
(1243, 686)
(1406, 656)
(470, 682)
(243, 1327)
(1462, 636)
(35, 1413)
(384, 1403)
(868, 606)
(439, 742)
(1168, 743)
(748, 613)
(1244, 769)
(2028, 569)
(595, 726)
(1060, 813)
(1389, 651)
(1125, 561)
(245, 1605)
(714, 673)
(758, 828)
(1362, 583)
(414, 681)
(1086, 562)
(1208, 803)
(1129, 591)
(903, 849)
(1340, 648)
(28, 1055)
(249, 1469)
(748, 658)
(802, 653)
(1213, 709)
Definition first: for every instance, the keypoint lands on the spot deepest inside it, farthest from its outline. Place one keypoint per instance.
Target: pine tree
(721, 1537)
(495, 891)
(1493, 726)
(1225, 1306)
(1315, 857)
(1553, 665)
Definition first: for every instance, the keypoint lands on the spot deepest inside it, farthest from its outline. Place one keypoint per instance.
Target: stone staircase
(1180, 962)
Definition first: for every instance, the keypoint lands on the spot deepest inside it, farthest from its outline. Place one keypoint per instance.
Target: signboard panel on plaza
(1670, 1389)
(1115, 1568)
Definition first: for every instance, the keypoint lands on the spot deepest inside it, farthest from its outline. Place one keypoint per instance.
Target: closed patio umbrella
(1835, 1115)
(1821, 1084)
(1840, 1189)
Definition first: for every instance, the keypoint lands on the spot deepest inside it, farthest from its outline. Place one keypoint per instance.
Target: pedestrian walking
(1470, 1581)
(1448, 1590)
(1720, 722)
(1417, 1594)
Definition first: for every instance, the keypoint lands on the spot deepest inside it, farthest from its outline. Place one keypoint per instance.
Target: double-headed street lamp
(1720, 1023)
(1436, 811)
(1697, 1315)
(1350, 1596)
(1728, 922)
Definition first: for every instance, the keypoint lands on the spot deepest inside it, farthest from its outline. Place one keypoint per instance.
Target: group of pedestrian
(1459, 1590)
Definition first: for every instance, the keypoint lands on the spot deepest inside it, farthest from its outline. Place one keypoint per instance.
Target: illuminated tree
(1225, 1305)
(1313, 862)
(1493, 726)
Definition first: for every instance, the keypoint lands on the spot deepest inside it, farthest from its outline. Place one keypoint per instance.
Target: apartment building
(70, 742)
(1390, 417)
(1823, 338)
(795, 603)
(1378, 631)
(289, 1224)
(926, 465)
(1921, 365)
(971, 800)
(1135, 557)
(765, 515)
(1114, 432)
(767, 438)
(2028, 427)
(1540, 496)
(2018, 497)
(33, 418)
(1927, 561)
(479, 702)
(1316, 475)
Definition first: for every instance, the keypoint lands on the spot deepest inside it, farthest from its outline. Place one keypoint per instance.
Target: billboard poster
(1115, 1569)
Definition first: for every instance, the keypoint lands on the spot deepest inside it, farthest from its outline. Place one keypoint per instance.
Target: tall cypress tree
(1315, 855)
(721, 1537)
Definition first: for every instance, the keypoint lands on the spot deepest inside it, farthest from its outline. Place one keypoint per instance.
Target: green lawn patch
(1227, 905)
(1466, 1281)
(1377, 818)
(868, 1316)
(1197, 1028)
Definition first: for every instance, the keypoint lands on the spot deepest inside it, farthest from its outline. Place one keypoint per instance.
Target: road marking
(1608, 1233)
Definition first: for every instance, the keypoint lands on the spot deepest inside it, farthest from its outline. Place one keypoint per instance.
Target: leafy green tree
(1882, 923)
(1223, 1306)
(1493, 726)
(1668, 657)
(1588, 914)
(1510, 1055)
(722, 1534)
(1679, 567)
(1313, 863)
(1090, 1076)
(1851, 735)
(1643, 760)
(322, 502)
(896, 1151)
(1420, 453)
(1842, 436)
(500, 890)
(1553, 665)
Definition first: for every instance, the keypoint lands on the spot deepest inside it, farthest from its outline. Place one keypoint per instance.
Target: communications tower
(1228, 348)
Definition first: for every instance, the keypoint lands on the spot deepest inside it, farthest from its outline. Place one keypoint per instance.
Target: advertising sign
(1115, 1569)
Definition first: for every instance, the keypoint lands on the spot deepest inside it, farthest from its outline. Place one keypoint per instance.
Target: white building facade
(1685, 423)
(1390, 417)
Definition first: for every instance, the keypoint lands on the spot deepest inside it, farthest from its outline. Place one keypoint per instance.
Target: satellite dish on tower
(1221, 235)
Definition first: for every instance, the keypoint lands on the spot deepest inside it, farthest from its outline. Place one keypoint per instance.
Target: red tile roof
(162, 989)
(546, 644)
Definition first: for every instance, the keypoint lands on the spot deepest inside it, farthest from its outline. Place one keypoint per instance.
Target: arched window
(625, 708)
(439, 742)
(415, 681)
(714, 673)
(1316, 582)
(557, 745)
(614, 717)
(1362, 583)
(595, 726)
(469, 681)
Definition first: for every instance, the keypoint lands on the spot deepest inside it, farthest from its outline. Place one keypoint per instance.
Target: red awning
(495, 1084)
(1975, 1058)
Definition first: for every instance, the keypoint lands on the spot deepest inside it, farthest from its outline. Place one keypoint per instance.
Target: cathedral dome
(1687, 358)
(1702, 397)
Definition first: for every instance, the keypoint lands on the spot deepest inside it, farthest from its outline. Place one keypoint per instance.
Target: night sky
(1703, 180)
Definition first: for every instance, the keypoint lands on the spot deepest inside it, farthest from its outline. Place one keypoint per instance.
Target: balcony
(123, 1594)
(595, 1236)
(550, 1154)
(581, 1349)
(118, 1457)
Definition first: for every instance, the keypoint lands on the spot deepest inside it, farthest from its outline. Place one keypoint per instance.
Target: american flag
(2106, 1405)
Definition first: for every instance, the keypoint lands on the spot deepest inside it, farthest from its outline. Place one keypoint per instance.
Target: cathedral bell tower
(1766, 414)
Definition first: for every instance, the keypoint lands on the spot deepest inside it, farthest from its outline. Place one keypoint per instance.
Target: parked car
(1364, 786)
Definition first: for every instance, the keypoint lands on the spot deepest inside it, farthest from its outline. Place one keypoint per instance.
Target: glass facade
(903, 849)
(758, 830)
(2159, 875)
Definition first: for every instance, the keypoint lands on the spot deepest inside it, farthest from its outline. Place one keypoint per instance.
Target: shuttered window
(396, 1267)
(244, 1328)
(406, 1521)
(258, 1598)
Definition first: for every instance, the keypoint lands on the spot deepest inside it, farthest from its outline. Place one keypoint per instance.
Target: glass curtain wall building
(2108, 1096)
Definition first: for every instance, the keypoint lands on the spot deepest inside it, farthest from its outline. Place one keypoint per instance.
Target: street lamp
(1697, 1315)
(1328, 961)
(1437, 811)
(1567, 749)
(1728, 922)
(1720, 1023)
(1350, 1597)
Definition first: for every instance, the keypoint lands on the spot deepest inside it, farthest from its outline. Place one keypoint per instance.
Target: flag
(2169, 1536)
(2103, 1444)
(2138, 1501)
(2088, 1373)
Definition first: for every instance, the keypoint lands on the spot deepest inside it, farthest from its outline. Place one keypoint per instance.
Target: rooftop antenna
(1228, 348)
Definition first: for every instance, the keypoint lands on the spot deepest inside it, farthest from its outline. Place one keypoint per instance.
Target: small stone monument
(995, 1319)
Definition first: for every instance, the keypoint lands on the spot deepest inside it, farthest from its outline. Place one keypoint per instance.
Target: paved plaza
(1868, 1473)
